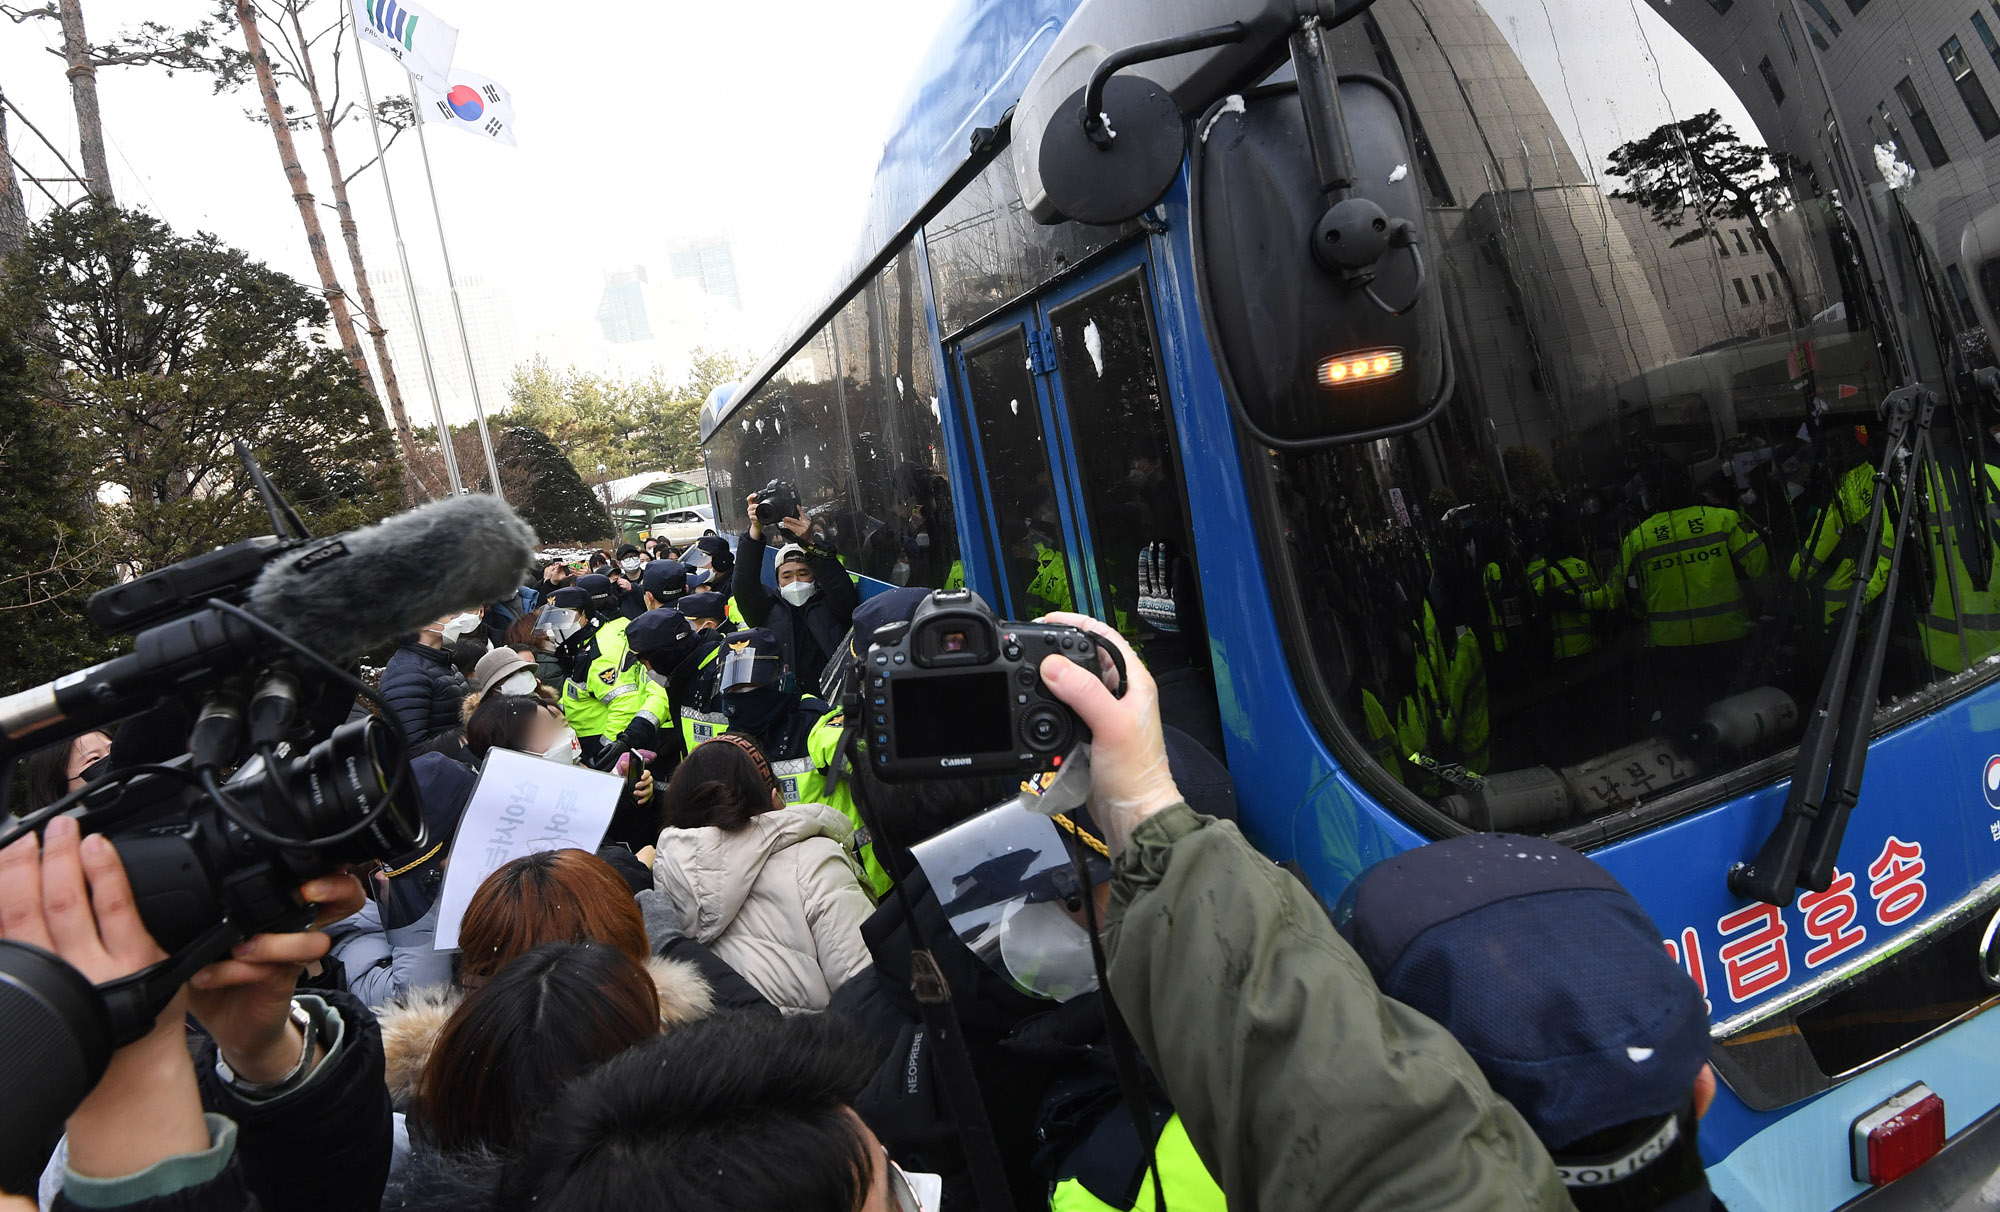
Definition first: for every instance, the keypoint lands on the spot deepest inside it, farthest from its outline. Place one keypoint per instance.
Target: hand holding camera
(957, 692)
(776, 505)
(1130, 779)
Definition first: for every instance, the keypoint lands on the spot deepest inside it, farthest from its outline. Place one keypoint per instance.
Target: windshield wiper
(1826, 781)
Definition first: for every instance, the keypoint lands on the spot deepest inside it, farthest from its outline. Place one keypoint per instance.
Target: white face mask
(659, 679)
(631, 565)
(567, 751)
(459, 627)
(900, 574)
(523, 682)
(798, 593)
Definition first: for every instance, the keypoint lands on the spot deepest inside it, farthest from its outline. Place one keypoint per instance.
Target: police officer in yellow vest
(1829, 563)
(1571, 599)
(1959, 634)
(601, 675)
(700, 706)
(673, 652)
(762, 701)
(1690, 567)
(1692, 570)
(823, 744)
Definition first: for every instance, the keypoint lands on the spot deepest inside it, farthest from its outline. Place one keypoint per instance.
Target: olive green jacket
(1301, 1084)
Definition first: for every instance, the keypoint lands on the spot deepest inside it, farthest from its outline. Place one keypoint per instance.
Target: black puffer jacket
(810, 635)
(424, 690)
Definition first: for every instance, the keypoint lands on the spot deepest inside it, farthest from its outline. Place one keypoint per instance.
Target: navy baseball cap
(658, 631)
(698, 577)
(704, 606)
(889, 606)
(750, 659)
(665, 579)
(602, 594)
(1544, 969)
(569, 597)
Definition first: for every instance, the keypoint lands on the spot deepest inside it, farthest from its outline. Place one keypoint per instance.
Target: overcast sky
(641, 123)
(644, 123)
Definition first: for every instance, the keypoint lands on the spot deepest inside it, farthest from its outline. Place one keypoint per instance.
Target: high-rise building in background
(489, 327)
(713, 266)
(621, 311)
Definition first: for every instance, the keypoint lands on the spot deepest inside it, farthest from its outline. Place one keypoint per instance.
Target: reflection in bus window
(1611, 571)
(852, 420)
(1006, 410)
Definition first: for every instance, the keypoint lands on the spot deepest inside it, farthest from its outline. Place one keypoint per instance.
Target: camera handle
(134, 1002)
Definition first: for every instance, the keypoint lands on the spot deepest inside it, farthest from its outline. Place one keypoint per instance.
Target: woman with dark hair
(501, 1061)
(533, 725)
(731, 1113)
(526, 724)
(53, 771)
(553, 896)
(770, 889)
(511, 1045)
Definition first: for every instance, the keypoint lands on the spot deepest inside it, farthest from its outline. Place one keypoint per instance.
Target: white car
(684, 525)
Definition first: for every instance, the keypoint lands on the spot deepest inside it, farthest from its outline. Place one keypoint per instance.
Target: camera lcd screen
(942, 717)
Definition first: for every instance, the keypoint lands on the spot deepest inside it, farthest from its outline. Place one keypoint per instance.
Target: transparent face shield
(558, 621)
(696, 557)
(749, 670)
(1010, 891)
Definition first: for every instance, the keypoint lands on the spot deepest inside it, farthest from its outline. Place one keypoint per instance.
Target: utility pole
(403, 257)
(464, 342)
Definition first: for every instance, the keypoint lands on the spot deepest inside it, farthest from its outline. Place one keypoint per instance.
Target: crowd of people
(767, 990)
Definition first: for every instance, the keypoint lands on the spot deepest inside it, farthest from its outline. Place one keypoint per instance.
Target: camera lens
(342, 779)
(1045, 728)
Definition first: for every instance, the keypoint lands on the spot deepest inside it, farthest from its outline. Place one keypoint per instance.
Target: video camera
(956, 692)
(779, 500)
(237, 776)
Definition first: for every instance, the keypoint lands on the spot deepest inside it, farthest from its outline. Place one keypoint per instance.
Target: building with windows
(1910, 79)
(713, 267)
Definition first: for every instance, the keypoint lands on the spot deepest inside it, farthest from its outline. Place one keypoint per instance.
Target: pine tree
(1699, 170)
(54, 559)
(160, 351)
(557, 503)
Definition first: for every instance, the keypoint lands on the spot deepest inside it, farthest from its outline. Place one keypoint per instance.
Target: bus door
(1100, 457)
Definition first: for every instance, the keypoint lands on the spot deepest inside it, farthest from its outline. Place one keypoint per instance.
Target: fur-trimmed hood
(411, 1023)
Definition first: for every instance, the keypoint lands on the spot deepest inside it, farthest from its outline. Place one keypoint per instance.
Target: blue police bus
(1549, 417)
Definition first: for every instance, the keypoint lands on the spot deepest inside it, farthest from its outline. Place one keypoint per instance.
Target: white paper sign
(522, 805)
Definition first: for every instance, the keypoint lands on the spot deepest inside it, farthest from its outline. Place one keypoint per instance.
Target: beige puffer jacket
(779, 899)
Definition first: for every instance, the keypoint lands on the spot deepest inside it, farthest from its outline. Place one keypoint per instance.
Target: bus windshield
(1682, 265)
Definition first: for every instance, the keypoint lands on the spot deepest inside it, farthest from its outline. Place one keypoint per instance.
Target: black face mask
(754, 711)
(97, 770)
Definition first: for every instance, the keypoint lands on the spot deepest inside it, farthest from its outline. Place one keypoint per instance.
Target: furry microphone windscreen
(344, 595)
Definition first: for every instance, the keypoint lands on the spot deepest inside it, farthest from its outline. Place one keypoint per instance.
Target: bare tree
(82, 72)
(290, 52)
(336, 297)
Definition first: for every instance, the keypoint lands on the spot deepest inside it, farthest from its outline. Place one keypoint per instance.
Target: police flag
(471, 102)
(411, 32)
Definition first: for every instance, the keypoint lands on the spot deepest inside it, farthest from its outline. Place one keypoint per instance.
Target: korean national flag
(421, 43)
(470, 102)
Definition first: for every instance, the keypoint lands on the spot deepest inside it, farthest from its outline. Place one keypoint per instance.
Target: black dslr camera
(778, 500)
(956, 692)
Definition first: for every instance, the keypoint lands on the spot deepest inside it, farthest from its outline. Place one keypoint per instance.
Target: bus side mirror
(1310, 227)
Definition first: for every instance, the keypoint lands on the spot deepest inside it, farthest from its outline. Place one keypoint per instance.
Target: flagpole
(403, 256)
(464, 342)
